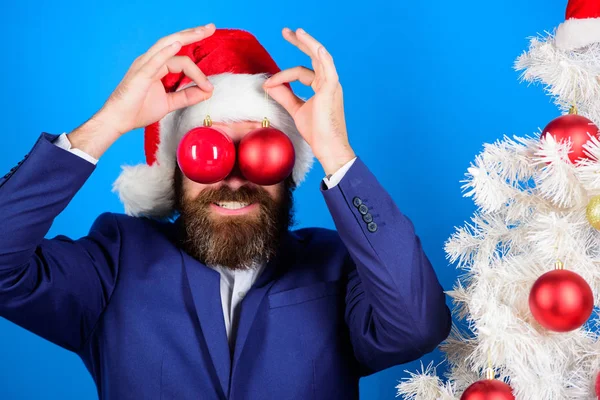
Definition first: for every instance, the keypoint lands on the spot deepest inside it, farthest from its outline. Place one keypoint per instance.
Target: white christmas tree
(535, 207)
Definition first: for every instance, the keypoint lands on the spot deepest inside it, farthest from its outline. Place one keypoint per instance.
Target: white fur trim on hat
(577, 33)
(147, 190)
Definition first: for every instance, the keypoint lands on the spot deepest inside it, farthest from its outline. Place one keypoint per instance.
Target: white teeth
(232, 205)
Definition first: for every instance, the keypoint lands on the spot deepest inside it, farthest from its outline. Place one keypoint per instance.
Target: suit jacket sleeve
(395, 306)
(56, 288)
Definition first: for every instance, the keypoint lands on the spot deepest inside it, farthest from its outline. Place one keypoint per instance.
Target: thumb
(284, 96)
(187, 97)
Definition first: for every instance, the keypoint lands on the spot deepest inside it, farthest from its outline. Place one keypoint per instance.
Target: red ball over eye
(266, 155)
(206, 155)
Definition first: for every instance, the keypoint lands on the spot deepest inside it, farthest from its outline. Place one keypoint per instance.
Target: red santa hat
(237, 65)
(582, 25)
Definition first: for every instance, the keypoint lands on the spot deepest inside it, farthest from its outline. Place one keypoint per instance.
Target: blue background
(425, 84)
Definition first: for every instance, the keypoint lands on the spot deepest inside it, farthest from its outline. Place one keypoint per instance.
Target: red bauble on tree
(575, 128)
(488, 389)
(598, 386)
(266, 156)
(561, 300)
(206, 155)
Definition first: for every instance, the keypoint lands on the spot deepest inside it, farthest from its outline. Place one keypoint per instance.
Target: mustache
(244, 194)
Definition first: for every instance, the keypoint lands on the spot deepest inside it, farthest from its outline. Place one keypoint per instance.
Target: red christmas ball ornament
(575, 128)
(266, 156)
(488, 389)
(598, 385)
(206, 155)
(561, 300)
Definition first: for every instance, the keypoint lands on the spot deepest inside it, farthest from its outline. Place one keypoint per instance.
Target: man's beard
(238, 241)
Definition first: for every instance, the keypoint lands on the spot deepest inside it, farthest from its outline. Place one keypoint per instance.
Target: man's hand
(320, 120)
(140, 98)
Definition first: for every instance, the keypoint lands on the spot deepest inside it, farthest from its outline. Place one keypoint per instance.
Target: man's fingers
(185, 64)
(327, 71)
(291, 37)
(157, 63)
(288, 100)
(330, 75)
(302, 74)
(187, 97)
(184, 37)
(300, 40)
(309, 42)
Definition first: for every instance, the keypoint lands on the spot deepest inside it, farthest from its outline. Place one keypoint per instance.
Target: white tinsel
(569, 76)
(425, 385)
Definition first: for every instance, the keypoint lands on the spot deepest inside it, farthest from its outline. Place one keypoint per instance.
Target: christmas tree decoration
(205, 154)
(565, 62)
(530, 209)
(592, 212)
(501, 254)
(581, 27)
(266, 155)
(561, 300)
(597, 385)
(488, 389)
(575, 129)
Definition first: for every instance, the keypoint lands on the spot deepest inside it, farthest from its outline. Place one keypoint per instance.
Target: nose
(235, 179)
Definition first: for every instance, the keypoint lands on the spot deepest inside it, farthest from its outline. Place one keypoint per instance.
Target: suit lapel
(205, 287)
(251, 303)
(206, 291)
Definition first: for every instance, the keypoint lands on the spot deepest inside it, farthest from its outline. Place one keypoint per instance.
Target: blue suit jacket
(146, 318)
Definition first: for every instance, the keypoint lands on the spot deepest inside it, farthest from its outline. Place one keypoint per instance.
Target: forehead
(237, 129)
(237, 125)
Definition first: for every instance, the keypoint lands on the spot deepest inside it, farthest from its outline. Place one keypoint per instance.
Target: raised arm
(395, 306)
(57, 288)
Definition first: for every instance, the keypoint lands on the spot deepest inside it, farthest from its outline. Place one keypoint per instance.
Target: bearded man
(201, 291)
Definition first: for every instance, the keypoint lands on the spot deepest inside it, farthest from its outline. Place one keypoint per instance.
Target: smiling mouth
(233, 207)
